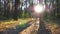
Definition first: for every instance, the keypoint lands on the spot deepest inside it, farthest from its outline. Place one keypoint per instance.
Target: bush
(2, 18)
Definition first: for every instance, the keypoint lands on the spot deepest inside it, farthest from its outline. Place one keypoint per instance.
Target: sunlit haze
(38, 8)
(29, 16)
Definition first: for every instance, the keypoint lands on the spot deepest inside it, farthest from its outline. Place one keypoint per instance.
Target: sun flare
(38, 8)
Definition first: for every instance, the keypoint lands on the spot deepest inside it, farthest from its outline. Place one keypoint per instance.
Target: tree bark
(15, 17)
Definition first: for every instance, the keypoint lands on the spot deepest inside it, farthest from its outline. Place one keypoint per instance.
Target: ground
(52, 28)
(32, 26)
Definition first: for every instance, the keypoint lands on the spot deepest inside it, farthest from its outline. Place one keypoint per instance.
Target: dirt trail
(32, 29)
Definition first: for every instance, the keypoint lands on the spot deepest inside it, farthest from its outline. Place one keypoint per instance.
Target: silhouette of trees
(15, 17)
(16, 8)
(54, 6)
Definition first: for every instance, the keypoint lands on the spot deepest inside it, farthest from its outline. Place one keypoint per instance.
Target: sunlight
(38, 8)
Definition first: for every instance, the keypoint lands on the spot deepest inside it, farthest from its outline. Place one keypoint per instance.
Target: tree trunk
(5, 10)
(15, 17)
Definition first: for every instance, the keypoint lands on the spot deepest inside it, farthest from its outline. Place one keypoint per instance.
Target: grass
(53, 25)
(12, 23)
(55, 28)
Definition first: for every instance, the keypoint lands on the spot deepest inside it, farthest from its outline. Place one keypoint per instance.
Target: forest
(14, 9)
(29, 16)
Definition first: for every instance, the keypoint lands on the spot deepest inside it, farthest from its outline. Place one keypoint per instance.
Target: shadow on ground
(42, 29)
(15, 30)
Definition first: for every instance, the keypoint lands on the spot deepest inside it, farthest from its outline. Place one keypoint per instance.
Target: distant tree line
(20, 8)
(13, 9)
(54, 7)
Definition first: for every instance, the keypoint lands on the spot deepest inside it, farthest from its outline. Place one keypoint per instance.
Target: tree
(58, 8)
(5, 8)
(0, 6)
(15, 17)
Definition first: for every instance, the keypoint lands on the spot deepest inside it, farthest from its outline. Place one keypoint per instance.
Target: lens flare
(38, 8)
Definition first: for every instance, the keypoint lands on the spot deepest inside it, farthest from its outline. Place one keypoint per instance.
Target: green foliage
(2, 18)
(21, 25)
